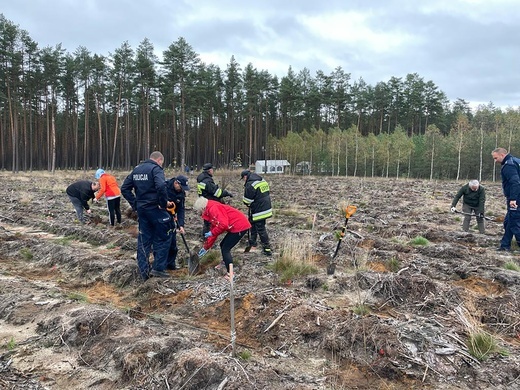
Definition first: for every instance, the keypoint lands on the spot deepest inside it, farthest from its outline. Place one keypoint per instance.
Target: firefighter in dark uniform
(207, 188)
(145, 190)
(176, 188)
(258, 199)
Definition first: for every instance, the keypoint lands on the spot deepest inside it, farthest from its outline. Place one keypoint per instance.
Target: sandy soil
(393, 315)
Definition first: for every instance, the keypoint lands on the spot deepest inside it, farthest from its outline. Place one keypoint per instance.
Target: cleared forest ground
(394, 315)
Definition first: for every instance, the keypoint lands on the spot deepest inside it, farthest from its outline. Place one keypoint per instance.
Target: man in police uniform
(258, 199)
(207, 188)
(145, 190)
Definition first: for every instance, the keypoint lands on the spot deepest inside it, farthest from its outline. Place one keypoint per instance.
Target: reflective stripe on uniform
(262, 215)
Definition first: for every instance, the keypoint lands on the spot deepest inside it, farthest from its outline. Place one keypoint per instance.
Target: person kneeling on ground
(222, 218)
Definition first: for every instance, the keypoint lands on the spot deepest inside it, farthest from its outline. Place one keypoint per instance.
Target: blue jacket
(510, 178)
(179, 198)
(147, 182)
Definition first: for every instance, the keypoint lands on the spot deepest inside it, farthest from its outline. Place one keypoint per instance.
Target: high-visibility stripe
(262, 215)
(247, 200)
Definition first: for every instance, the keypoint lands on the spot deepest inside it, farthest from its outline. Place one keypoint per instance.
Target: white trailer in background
(271, 166)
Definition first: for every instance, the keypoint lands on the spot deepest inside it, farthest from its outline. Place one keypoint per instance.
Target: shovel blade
(247, 249)
(193, 263)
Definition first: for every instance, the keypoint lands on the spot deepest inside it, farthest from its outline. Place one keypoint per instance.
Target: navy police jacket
(510, 178)
(179, 198)
(145, 187)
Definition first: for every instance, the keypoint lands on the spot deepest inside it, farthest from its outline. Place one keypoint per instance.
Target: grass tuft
(419, 241)
(296, 259)
(512, 266)
(482, 345)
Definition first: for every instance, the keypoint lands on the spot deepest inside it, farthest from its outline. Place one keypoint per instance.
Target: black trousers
(114, 210)
(258, 230)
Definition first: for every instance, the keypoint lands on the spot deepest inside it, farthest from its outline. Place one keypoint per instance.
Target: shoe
(159, 274)
(503, 249)
(220, 265)
(253, 249)
(267, 252)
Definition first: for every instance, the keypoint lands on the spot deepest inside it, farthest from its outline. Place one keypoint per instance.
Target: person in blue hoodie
(145, 190)
(511, 187)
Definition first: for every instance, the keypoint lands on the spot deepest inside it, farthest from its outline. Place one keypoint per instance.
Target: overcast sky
(469, 48)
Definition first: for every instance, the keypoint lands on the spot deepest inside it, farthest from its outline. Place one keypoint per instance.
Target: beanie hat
(99, 172)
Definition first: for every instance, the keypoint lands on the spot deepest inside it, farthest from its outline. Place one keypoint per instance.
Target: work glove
(202, 252)
(453, 209)
(208, 234)
(227, 193)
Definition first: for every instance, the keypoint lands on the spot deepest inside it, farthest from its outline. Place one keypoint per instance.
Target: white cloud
(354, 29)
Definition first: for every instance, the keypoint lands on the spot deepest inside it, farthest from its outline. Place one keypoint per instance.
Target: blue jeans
(154, 231)
(511, 228)
(78, 206)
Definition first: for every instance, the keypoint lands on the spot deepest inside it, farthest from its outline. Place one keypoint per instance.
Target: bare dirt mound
(397, 313)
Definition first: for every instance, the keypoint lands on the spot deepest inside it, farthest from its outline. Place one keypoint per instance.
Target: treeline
(84, 110)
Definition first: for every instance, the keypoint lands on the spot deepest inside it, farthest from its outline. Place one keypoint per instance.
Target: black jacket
(179, 198)
(207, 188)
(257, 197)
(148, 183)
(82, 190)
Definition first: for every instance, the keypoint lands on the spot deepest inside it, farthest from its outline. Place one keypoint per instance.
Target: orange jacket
(108, 187)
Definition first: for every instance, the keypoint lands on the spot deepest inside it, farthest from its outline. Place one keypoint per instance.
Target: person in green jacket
(473, 202)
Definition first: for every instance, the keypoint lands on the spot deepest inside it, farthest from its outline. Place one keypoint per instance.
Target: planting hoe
(475, 215)
(193, 260)
(349, 212)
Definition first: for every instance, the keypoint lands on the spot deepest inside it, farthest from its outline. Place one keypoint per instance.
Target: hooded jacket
(223, 218)
(108, 186)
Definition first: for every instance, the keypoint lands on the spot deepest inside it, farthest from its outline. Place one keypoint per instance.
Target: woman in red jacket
(222, 218)
(109, 188)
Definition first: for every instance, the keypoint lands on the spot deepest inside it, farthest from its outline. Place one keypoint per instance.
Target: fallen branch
(223, 383)
(274, 322)
(9, 219)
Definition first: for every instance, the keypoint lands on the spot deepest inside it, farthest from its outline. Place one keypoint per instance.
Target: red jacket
(223, 218)
(108, 187)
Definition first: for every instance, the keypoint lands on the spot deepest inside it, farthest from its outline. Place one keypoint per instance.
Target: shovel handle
(341, 235)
